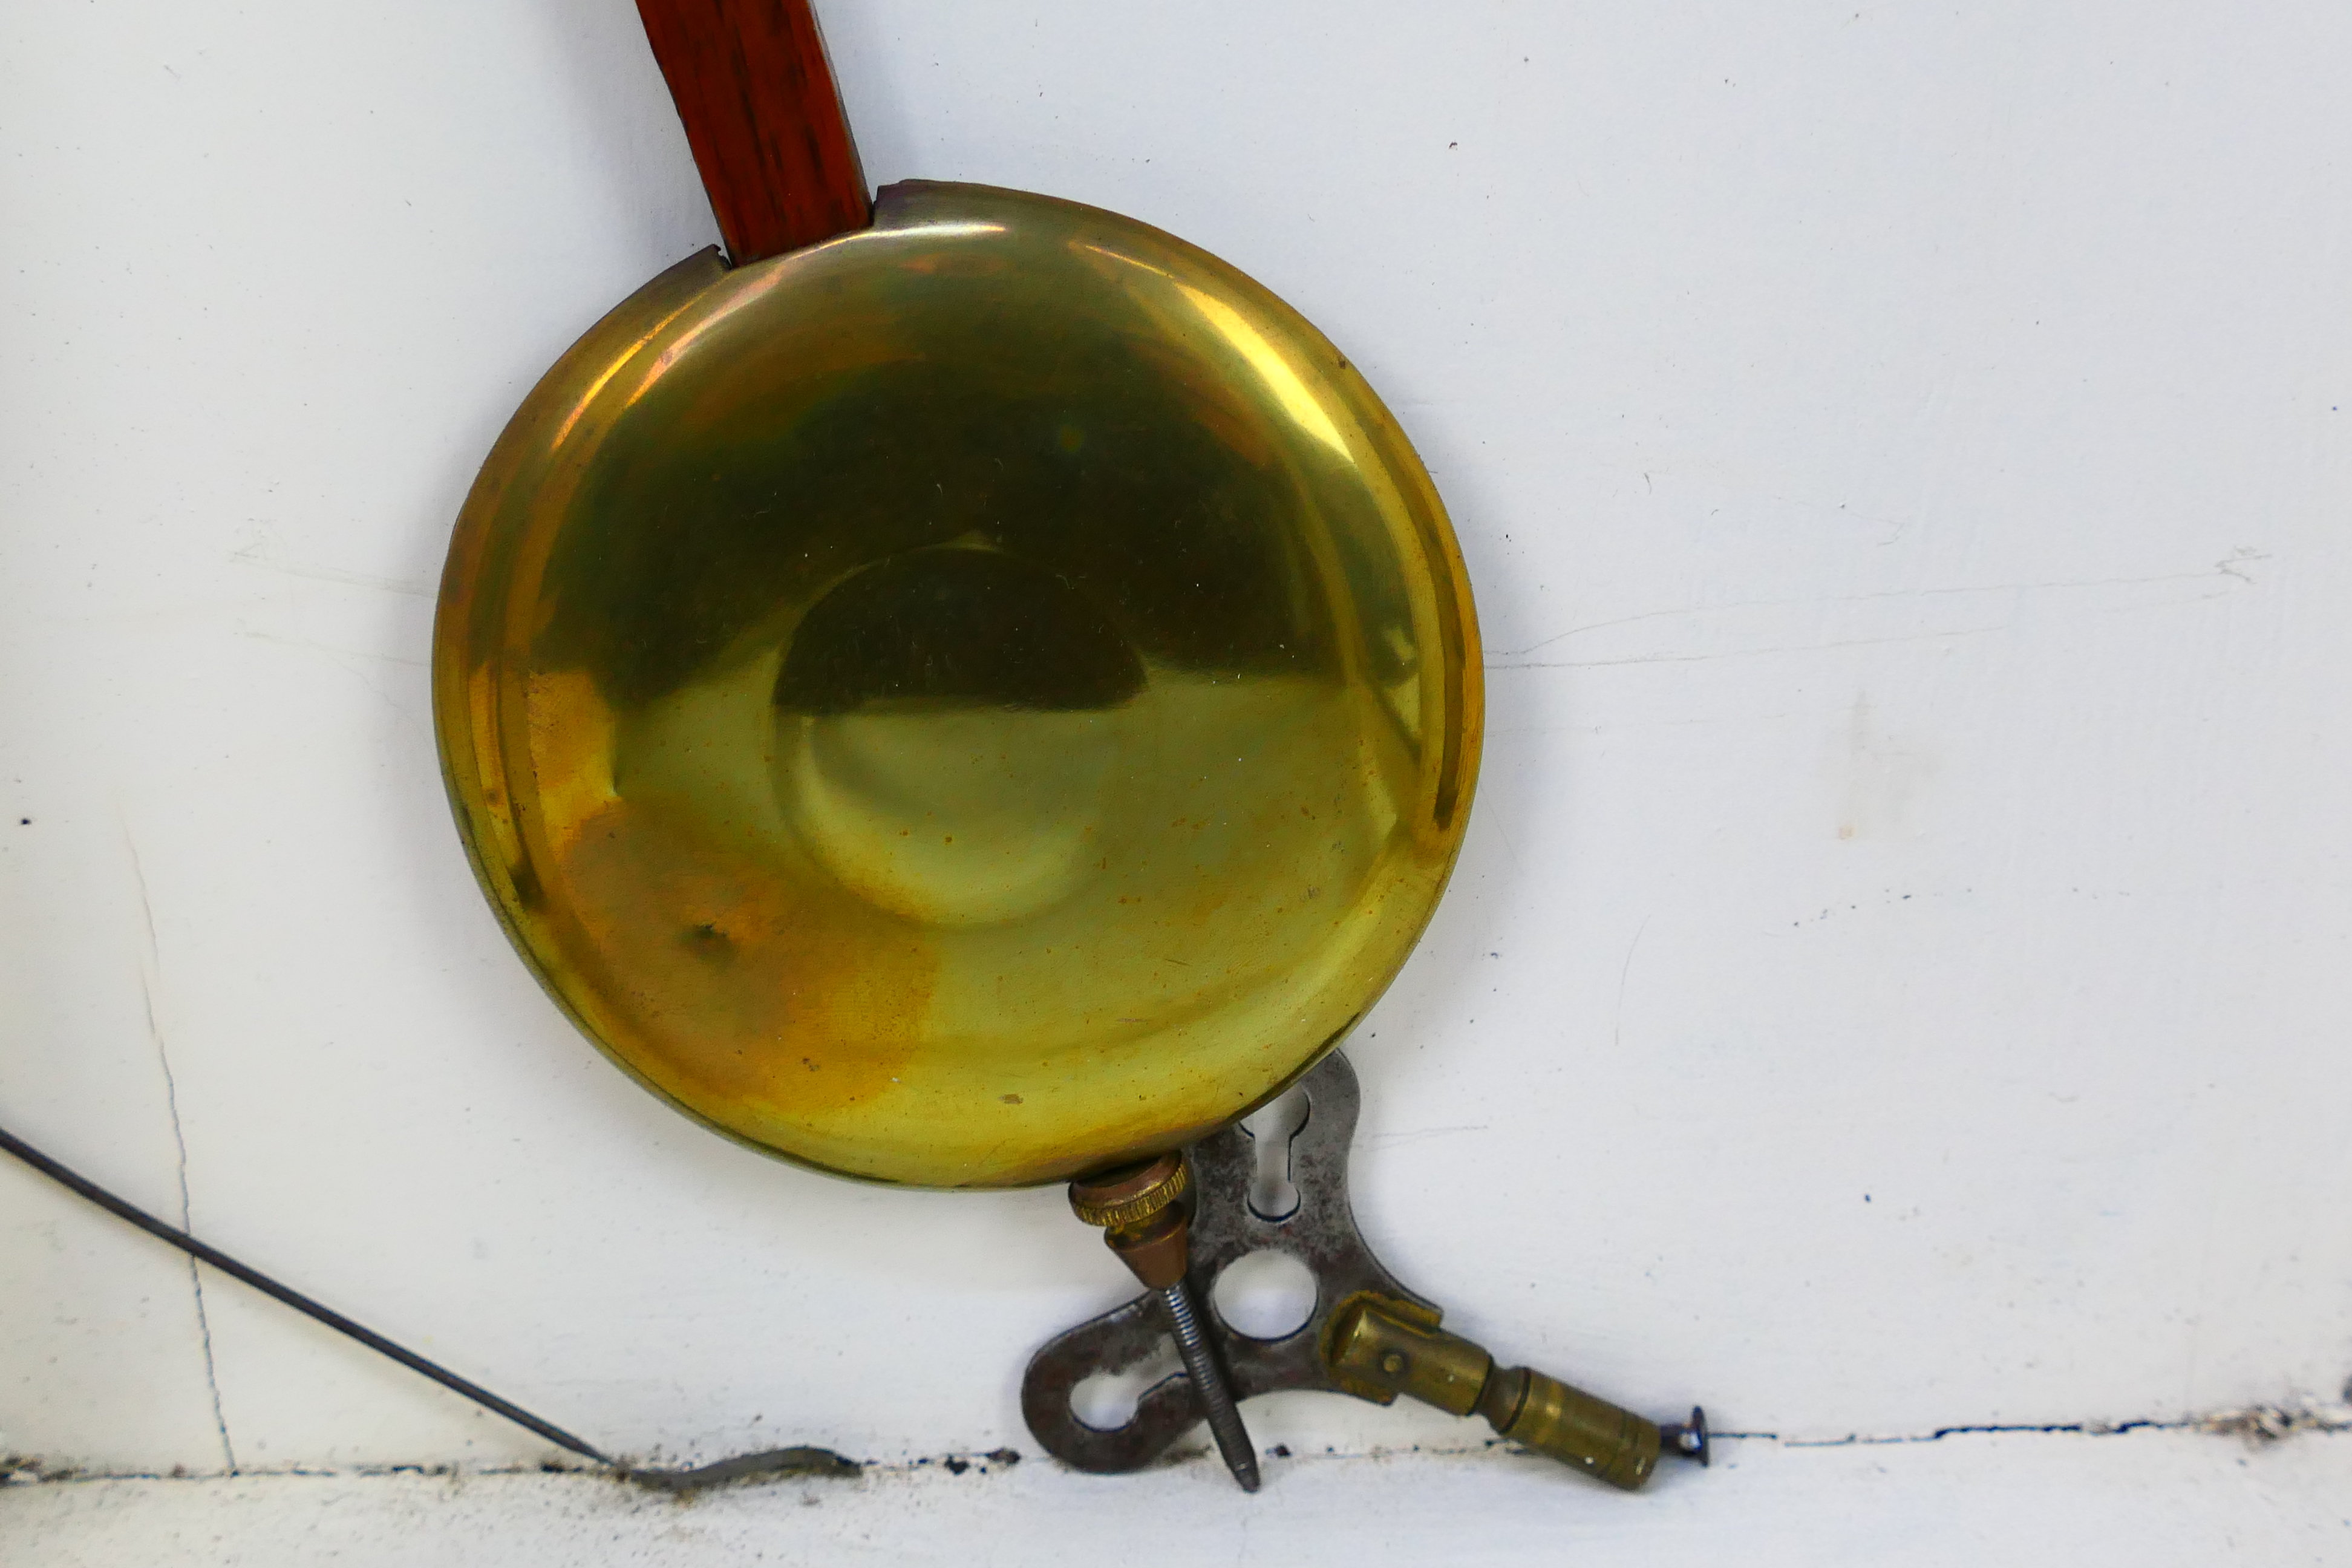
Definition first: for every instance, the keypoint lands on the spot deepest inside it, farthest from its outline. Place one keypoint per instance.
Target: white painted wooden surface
(1898, 975)
(2145, 1501)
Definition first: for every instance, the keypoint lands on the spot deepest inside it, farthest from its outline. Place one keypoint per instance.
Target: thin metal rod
(262, 1282)
(1208, 1381)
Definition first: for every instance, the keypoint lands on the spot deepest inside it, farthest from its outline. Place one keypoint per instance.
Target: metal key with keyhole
(1367, 1335)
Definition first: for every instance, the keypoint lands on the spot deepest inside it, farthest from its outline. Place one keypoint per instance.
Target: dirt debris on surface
(2262, 1424)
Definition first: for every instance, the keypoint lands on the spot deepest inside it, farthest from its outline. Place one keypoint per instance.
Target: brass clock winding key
(1368, 1335)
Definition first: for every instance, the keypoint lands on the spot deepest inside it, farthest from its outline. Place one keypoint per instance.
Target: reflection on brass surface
(964, 703)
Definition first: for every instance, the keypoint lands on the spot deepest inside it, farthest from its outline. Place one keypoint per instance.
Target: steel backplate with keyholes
(1366, 1334)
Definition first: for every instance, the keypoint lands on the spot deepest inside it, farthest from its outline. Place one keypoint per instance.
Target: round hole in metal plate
(1267, 1295)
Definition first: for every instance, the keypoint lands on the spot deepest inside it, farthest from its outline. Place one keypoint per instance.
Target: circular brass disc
(962, 704)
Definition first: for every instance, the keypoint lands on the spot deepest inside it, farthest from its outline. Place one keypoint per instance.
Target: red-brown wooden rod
(764, 119)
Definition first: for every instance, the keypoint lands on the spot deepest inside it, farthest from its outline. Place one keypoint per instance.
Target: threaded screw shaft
(1209, 1384)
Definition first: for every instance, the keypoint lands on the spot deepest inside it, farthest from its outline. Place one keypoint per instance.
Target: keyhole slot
(1106, 1400)
(1272, 1127)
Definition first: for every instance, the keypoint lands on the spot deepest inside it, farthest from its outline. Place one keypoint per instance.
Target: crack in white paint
(150, 973)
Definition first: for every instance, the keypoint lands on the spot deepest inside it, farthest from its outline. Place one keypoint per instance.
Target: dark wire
(294, 1299)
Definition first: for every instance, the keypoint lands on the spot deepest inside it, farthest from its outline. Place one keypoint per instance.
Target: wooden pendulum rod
(764, 119)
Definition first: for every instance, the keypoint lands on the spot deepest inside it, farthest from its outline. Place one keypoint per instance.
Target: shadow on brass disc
(964, 703)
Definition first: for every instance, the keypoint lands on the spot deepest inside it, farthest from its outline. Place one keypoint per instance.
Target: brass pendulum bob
(974, 693)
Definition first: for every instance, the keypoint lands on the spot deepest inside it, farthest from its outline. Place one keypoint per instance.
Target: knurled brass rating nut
(1144, 1215)
(1124, 1198)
